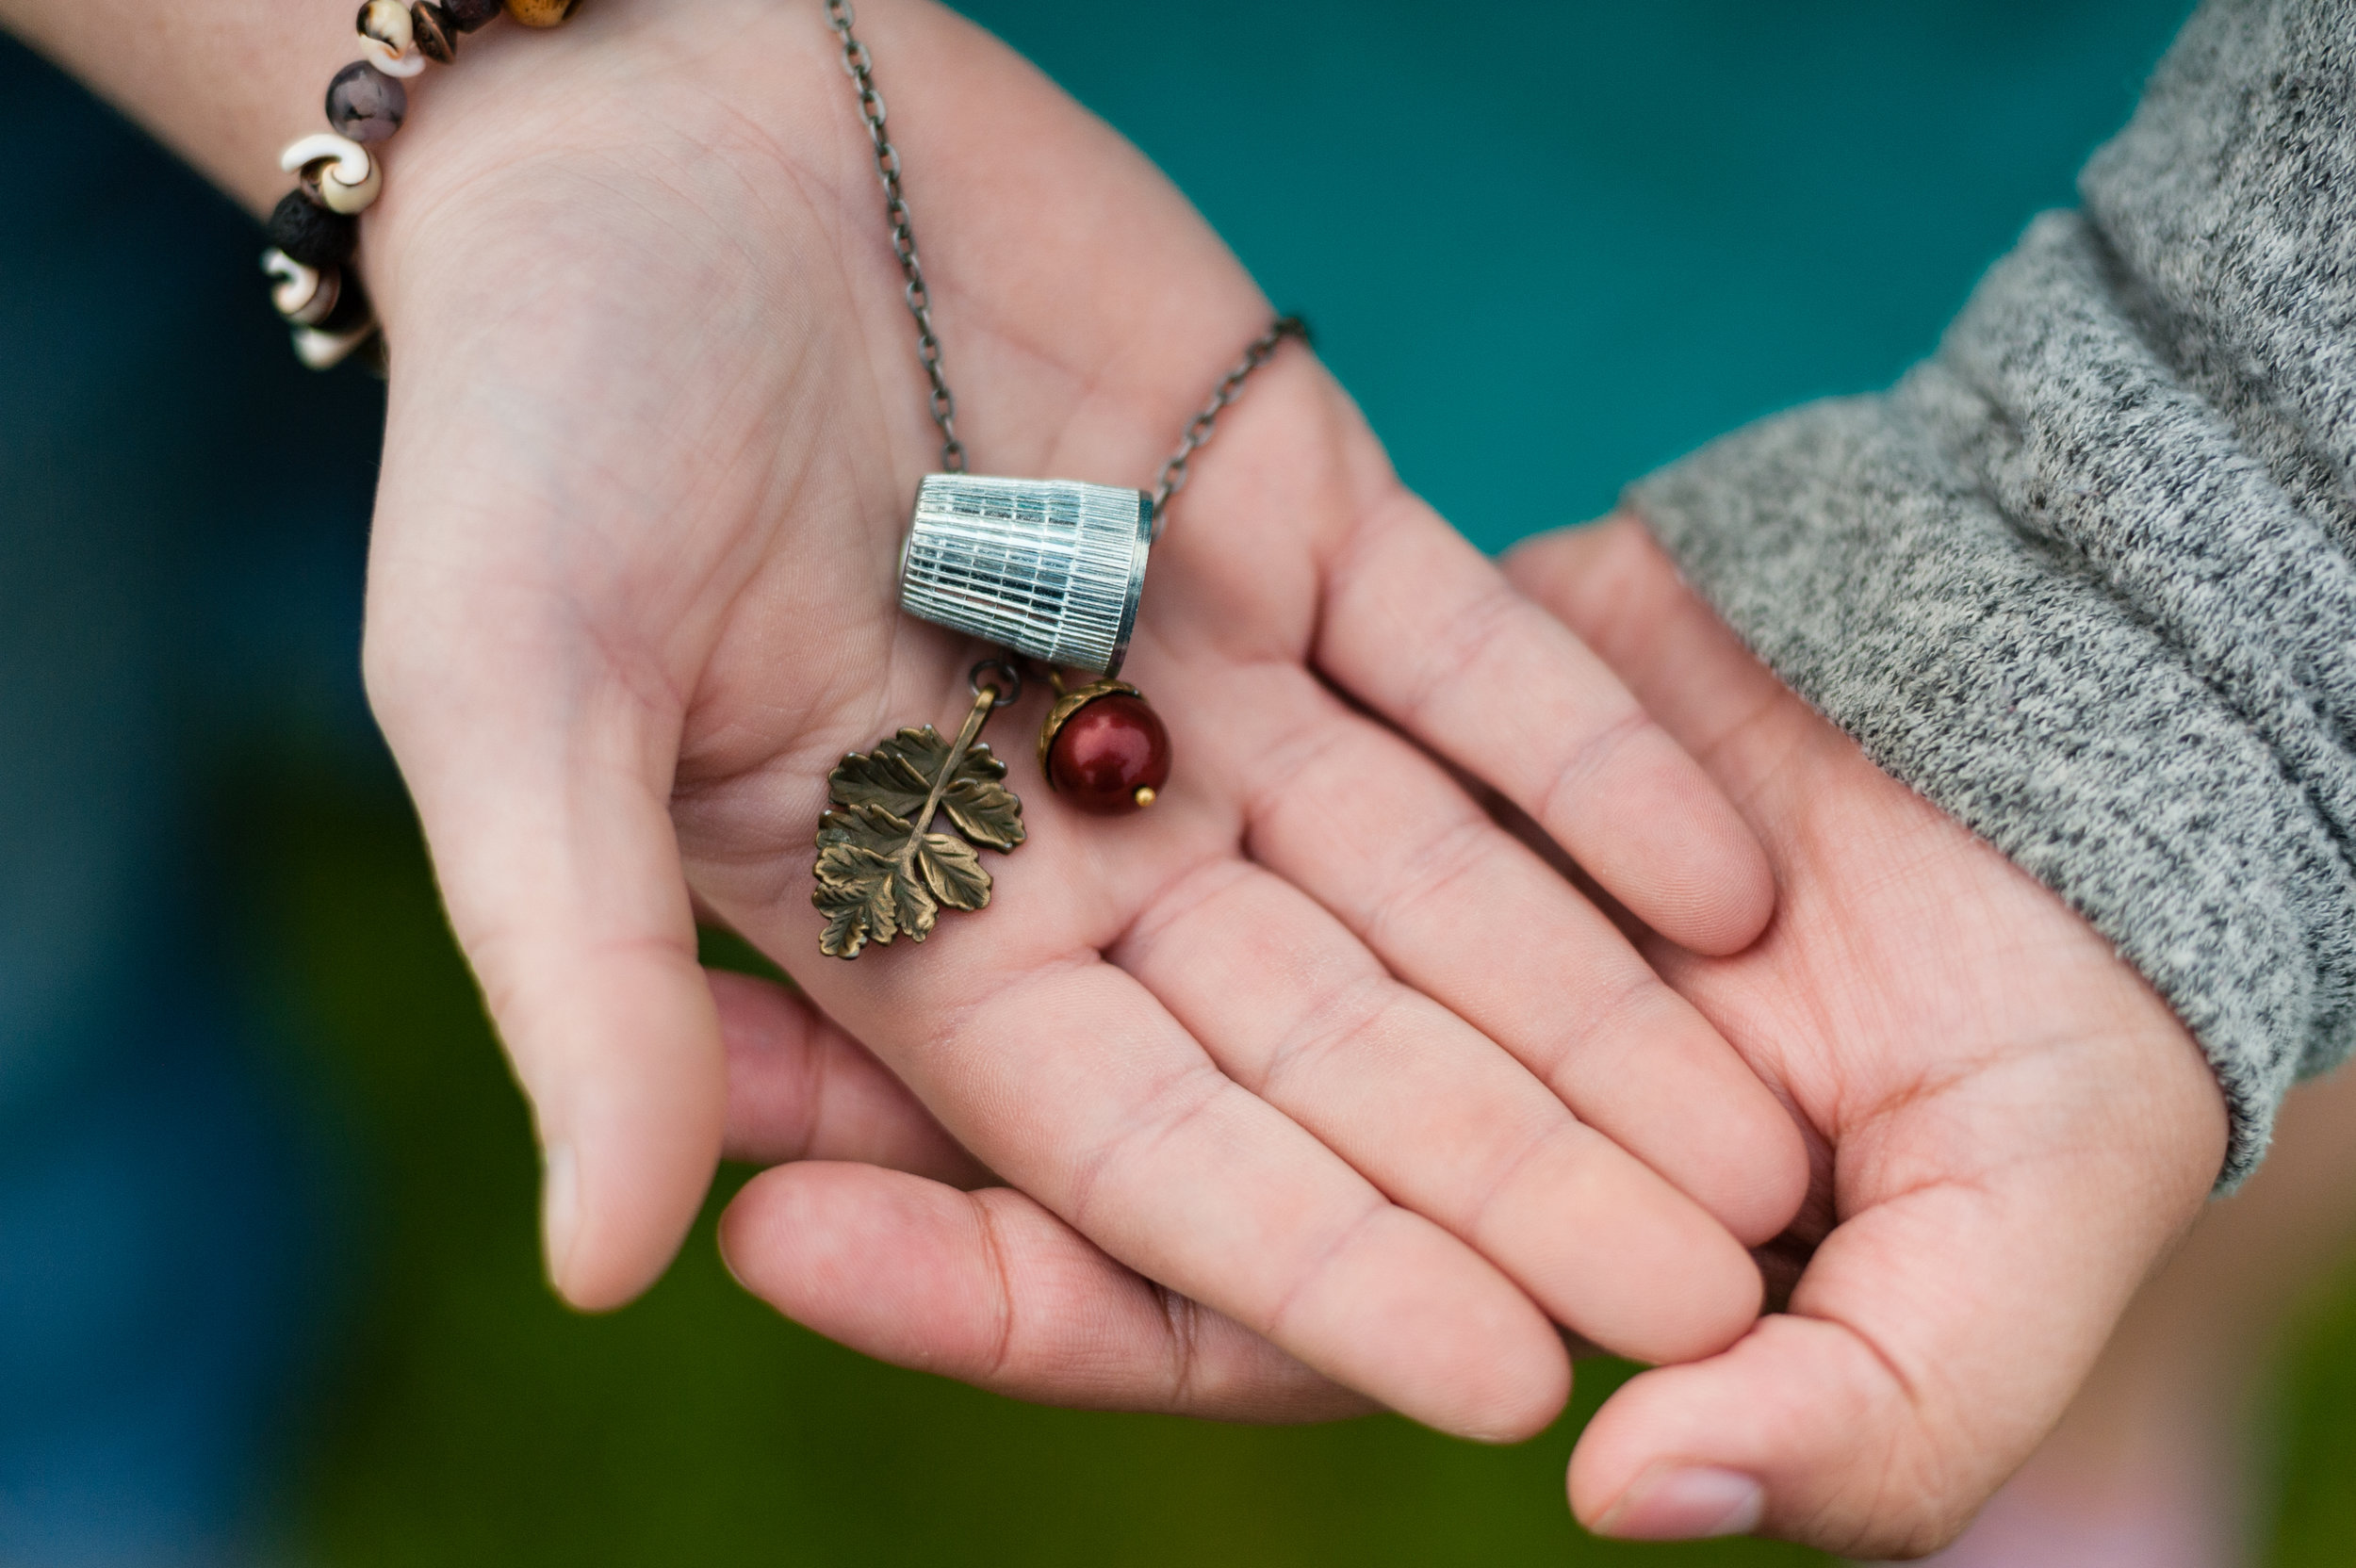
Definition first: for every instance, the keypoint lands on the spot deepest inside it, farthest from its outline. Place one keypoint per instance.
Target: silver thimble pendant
(1049, 568)
(1052, 570)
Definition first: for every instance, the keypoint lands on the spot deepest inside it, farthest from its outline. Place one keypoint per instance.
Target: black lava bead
(311, 233)
(365, 104)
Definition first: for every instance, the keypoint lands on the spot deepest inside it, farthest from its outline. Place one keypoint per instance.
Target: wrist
(713, 111)
(223, 83)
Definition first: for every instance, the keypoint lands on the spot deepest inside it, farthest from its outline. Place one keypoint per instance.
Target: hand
(2009, 1126)
(2008, 1130)
(1313, 1042)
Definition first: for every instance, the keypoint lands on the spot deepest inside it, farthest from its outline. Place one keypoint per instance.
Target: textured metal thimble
(1048, 567)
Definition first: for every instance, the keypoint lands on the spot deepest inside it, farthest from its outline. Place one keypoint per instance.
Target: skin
(1315, 1043)
(2008, 1131)
(2158, 1459)
(652, 427)
(2009, 1128)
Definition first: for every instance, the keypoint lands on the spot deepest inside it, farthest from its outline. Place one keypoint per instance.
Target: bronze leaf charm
(882, 873)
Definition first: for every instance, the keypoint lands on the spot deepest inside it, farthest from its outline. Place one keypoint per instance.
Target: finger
(2012, 1198)
(1425, 630)
(1296, 1010)
(799, 1089)
(991, 1288)
(1460, 910)
(1611, 585)
(1933, 1341)
(1067, 1077)
(554, 850)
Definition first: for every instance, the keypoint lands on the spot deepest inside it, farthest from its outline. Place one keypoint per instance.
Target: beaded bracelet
(315, 226)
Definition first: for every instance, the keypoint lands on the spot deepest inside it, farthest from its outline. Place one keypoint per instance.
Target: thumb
(544, 794)
(1934, 1339)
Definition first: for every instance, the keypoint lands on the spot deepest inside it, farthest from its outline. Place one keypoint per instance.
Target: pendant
(1052, 570)
(882, 870)
(1049, 568)
(1104, 749)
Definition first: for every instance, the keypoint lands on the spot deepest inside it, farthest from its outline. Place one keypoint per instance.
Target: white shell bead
(303, 295)
(324, 350)
(390, 38)
(350, 199)
(297, 284)
(387, 22)
(352, 179)
(352, 160)
(388, 62)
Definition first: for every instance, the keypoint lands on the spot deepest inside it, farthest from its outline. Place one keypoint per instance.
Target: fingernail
(560, 1212)
(1686, 1505)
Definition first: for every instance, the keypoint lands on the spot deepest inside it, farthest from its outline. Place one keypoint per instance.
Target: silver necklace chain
(1173, 477)
(861, 67)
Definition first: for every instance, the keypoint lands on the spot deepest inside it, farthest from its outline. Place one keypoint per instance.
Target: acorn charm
(1105, 749)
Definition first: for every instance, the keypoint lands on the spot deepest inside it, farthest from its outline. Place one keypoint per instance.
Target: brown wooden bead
(541, 13)
(437, 33)
(351, 308)
(1111, 756)
(304, 295)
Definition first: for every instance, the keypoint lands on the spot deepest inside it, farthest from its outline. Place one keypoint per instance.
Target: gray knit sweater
(2084, 577)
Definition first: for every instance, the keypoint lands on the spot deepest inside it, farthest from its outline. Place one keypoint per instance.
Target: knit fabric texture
(2083, 578)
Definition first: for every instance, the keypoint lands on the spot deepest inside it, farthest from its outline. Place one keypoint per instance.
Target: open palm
(2008, 1130)
(1313, 1042)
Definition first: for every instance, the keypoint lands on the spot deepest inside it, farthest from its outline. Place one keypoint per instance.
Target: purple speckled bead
(470, 14)
(365, 104)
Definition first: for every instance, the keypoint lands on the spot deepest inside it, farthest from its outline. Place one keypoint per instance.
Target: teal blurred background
(1548, 246)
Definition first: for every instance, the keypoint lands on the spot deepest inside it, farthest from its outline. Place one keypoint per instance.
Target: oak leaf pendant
(882, 871)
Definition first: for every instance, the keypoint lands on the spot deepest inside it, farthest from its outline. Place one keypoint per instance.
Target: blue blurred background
(268, 1280)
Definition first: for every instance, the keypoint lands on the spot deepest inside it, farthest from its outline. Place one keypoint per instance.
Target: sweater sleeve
(2083, 578)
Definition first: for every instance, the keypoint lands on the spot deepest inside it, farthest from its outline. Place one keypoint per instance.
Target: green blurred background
(463, 1418)
(1547, 246)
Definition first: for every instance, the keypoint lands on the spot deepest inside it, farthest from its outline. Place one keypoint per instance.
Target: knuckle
(1445, 858)
(1582, 757)
(1312, 1266)
(1471, 635)
(1344, 1013)
(1166, 1111)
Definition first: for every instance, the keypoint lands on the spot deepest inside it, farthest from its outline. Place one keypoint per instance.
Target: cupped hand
(2009, 1126)
(1313, 1043)
(2008, 1131)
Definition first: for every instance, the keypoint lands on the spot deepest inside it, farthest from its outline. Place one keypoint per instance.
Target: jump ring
(1003, 695)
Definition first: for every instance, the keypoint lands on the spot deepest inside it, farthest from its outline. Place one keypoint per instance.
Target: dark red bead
(1108, 752)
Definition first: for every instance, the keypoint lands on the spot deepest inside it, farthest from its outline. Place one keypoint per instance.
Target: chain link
(861, 67)
(1173, 476)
